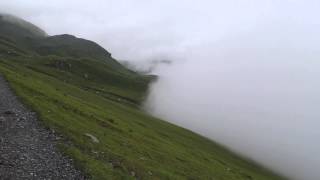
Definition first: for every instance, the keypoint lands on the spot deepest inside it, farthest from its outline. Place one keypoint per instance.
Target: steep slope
(94, 103)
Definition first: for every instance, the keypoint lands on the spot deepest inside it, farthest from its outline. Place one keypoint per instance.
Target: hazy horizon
(243, 73)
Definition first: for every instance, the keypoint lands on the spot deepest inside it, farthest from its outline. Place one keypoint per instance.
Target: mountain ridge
(29, 28)
(37, 41)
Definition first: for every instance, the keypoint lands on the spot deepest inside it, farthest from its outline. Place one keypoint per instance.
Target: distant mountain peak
(30, 39)
(29, 28)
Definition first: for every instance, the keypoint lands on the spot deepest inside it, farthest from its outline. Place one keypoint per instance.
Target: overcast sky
(245, 72)
(144, 29)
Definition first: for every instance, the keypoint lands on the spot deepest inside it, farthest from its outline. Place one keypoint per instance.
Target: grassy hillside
(94, 104)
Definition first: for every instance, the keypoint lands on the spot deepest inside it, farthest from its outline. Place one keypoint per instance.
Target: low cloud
(257, 94)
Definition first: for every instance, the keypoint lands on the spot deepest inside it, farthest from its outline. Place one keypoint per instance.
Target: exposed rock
(86, 76)
(150, 173)
(8, 112)
(92, 137)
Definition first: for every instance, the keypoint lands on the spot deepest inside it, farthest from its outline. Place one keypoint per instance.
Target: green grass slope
(78, 97)
(132, 143)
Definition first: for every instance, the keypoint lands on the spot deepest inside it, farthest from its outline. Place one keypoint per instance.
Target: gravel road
(27, 149)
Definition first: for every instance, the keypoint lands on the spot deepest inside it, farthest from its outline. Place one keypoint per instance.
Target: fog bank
(241, 72)
(258, 94)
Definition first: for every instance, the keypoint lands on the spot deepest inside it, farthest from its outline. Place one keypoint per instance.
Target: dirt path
(27, 150)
